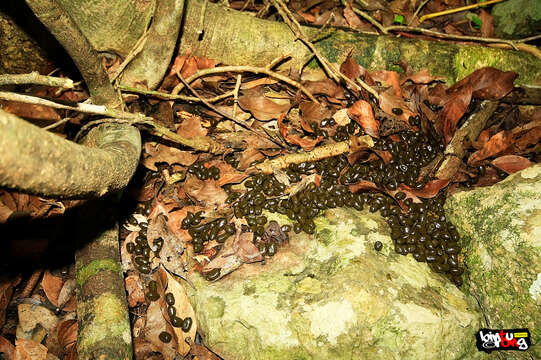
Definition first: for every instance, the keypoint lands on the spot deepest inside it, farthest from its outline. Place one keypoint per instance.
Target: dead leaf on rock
(389, 78)
(172, 244)
(361, 112)
(228, 174)
(306, 143)
(511, 163)
(453, 110)
(422, 77)
(351, 68)
(312, 113)
(183, 308)
(487, 83)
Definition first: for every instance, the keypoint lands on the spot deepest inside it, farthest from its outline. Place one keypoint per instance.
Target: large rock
(514, 19)
(500, 229)
(332, 296)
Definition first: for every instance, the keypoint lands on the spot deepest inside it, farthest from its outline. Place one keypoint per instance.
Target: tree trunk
(232, 37)
(111, 26)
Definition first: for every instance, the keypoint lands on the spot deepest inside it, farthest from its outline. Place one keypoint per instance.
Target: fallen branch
(463, 137)
(281, 162)
(167, 96)
(36, 79)
(251, 69)
(296, 28)
(197, 143)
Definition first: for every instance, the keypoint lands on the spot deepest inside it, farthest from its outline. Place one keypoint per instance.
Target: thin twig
(531, 38)
(251, 69)
(455, 10)
(386, 30)
(31, 284)
(137, 48)
(57, 123)
(80, 107)
(200, 143)
(419, 8)
(236, 95)
(322, 152)
(224, 114)
(451, 36)
(335, 74)
(35, 78)
(167, 96)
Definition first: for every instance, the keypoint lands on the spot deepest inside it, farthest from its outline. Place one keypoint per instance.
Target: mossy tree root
(64, 29)
(40, 162)
(102, 310)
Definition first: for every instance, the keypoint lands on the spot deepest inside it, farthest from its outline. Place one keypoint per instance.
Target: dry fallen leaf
(159, 153)
(207, 192)
(511, 163)
(494, 146)
(361, 112)
(51, 286)
(261, 107)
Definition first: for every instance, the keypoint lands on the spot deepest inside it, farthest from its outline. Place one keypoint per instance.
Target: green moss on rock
(332, 296)
(500, 227)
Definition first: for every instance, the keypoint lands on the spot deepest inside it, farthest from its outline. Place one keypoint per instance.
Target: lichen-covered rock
(332, 296)
(514, 19)
(500, 229)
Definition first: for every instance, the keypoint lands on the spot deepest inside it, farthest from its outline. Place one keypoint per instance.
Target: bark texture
(112, 26)
(235, 38)
(150, 65)
(60, 24)
(102, 311)
(40, 162)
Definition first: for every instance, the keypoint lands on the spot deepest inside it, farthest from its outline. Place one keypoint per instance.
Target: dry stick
(69, 35)
(224, 114)
(459, 9)
(31, 284)
(471, 129)
(295, 27)
(58, 123)
(236, 95)
(167, 96)
(37, 79)
(386, 30)
(321, 152)
(197, 143)
(80, 107)
(137, 48)
(252, 69)
(417, 11)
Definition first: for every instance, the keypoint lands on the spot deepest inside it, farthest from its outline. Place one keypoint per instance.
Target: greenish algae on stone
(500, 228)
(332, 296)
